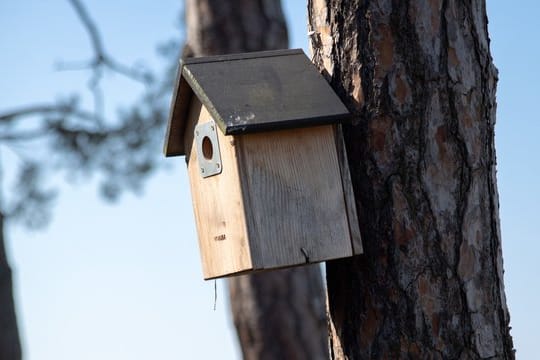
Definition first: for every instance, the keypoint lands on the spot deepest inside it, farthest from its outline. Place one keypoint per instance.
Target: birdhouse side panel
(217, 203)
(348, 192)
(294, 198)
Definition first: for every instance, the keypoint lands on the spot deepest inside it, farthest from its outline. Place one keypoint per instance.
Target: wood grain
(348, 192)
(280, 200)
(218, 206)
(294, 203)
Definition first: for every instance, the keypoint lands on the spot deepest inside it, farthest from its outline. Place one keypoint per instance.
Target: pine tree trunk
(420, 79)
(279, 314)
(10, 346)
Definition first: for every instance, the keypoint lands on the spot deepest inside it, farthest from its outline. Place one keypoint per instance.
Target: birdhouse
(268, 174)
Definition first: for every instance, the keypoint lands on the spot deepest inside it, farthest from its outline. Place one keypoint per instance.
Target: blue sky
(124, 281)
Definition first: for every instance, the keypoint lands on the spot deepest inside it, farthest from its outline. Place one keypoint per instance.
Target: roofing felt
(253, 92)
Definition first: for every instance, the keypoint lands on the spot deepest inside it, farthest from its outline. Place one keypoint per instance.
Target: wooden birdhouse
(269, 179)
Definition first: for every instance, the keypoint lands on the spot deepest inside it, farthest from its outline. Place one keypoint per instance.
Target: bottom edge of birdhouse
(257, 270)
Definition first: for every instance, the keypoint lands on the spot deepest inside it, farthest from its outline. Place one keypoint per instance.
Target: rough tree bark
(10, 346)
(280, 314)
(419, 77)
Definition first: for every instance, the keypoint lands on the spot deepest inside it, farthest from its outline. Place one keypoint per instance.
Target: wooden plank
(180, 102)
(218, 205)
(348, 192)
(293, 193)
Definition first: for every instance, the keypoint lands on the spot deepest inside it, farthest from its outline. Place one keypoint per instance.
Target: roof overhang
(252, 92)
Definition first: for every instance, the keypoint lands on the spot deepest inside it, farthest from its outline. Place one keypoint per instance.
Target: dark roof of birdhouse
(252, 92)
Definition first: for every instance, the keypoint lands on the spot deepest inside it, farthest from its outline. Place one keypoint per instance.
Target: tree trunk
(419, 77)
(279, 314)
(10, 346)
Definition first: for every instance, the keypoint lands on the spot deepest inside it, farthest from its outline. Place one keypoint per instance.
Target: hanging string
(215, 294)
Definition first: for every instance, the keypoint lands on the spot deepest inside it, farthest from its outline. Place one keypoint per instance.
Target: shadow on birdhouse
(268, 173)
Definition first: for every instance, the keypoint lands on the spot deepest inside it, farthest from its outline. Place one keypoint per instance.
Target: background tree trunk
(279, 314)
(419, 76)
(10, 346)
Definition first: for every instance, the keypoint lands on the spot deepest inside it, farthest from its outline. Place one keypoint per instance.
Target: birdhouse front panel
(267, 166)
(217, 203)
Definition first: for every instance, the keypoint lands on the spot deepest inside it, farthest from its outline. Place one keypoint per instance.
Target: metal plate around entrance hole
(208, 153)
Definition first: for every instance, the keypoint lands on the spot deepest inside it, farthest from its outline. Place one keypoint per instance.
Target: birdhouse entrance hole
(208, 153)
(207, 148)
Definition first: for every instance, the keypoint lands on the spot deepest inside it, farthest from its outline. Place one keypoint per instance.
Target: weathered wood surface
(419, 76)
(219, 27)
(263, 91)
(278, 202)
(218, 205)
(294, 202)
(348, 192)
(253, 92)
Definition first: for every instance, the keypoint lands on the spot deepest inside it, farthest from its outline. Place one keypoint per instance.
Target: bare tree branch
(93, 85)
(79, 141)
(101, 57)
(43, 109)
(101, 60)
(90, 26)
(23, 135)
(73, 65)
